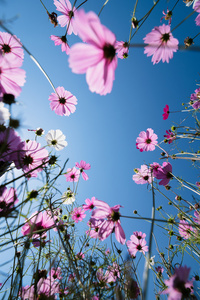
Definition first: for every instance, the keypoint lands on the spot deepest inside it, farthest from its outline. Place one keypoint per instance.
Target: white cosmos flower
(56, 139)
(68, 197)
(4, 113)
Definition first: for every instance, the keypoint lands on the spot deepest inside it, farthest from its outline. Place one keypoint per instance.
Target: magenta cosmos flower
(185, 229)
(170, 136)
(31, 157)
(97, 57)
(94, 225)
(11, 78)
(111, 221)
(8, 198)
(90, 204)
(38, 222)
(62, 102)
(121, 49)
(161, 44)
(11, 49)
(137, 243)
(166, 112)
(195, 99)
(78, 214)
(68, 14)
(61, 41)
(143, 175)
(9, 145)
(147, 140)
(72, 175)
(164, 173)
(196, 7)
(178, 285)
(83, 166)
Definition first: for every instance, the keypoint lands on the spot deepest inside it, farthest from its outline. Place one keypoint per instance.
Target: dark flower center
(72, 176)
(96, 229)
(109, 52)
(28, 160)
(139, 237)
(4, 147)
(148, 141)
(78, 215)
(146, 177)
(62, 100)
(6, 48)
(169, 175)
(180, 286)
(2, 204)
(54, 142)
(63, 39)
(71, 14)
(139, 247)
(91, 206)
(115, 216)
(165, 37)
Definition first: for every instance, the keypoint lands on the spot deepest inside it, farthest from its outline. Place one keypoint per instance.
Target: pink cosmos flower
(178, 286)
(146, 140)
(61, 41)
(143, 175)
(196, 7)
(111, 223)
(8, 198)
(135, 245)
(121, 49)
(185, 229)
(155, 167)
(113, 272)
(170, 136)
(139, 235)
(72, 175)
(96, 57)
(83, 166)
(38, 222)
(94, 225)
(161, 44)
(167, 16)
(78, 214)
(67, 17)
(55, 273)
(159, 269)
(9, 145)
(11, 78)
(30, 157)
(80, 255)
(195, 99)
(90, 204)
(166, 112)
(62, 102)
(164, 173)
(11, 49)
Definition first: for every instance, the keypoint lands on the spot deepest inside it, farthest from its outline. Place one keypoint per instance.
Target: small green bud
(173, 128)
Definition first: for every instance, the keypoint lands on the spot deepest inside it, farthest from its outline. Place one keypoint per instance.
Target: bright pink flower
(83, 166)
(167, 16)
(178, 285)
(195, 99)
(61, 41)
(164, 173)
(143, 175)
(11, 78)
(78, 214)
(30, 157)
(8, 198)
(72, 175)
(161, 44)
(135, 245)
(155, 167)
(139, 235)
(121, 49)
(159, 269)
(90, 204)
(185, 229)
(170, 136)
(38, 222)
(146, 140)
(62, 102)
(166, 112)
(113, 273)
(67, 19)
(111, 222)
(96, 57)
(55, 273)
(94, 225)
(11, 49)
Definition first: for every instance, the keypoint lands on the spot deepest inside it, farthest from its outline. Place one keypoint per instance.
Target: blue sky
(103, 130)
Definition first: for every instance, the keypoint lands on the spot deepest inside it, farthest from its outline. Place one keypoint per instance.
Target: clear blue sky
(103, 129)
